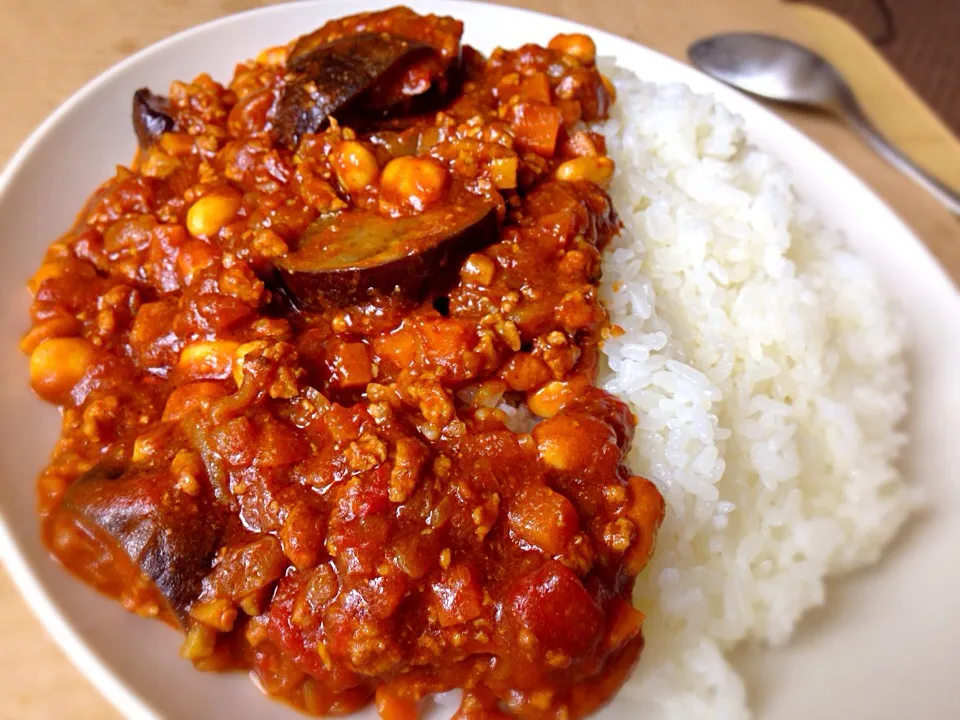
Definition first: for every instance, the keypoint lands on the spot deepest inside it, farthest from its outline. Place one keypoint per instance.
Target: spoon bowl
(777, 69)
(769, 67)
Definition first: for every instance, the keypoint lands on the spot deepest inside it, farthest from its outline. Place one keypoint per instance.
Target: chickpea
(573, 444)
(503, 173)
(550, 399)
(416, 182)
(57, 364)
(273, 56)
(55, 327)
(597, 170)
(543, 518)
(576, 45)
(355, 166)
(212, 359)
(645, 510)
(478, 269)
(47, 271)
(210, 213)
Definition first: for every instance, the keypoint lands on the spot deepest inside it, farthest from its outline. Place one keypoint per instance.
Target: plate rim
(109, 682)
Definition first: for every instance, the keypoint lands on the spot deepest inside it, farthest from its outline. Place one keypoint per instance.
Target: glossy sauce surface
(328, 392)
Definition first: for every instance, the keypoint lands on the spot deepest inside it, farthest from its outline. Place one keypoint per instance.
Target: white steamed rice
(767, 372)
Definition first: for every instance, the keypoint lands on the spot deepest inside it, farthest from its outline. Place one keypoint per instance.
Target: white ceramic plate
(886, 646)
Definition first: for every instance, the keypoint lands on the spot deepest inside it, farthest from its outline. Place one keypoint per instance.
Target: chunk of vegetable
(324, 79)
(345, 256)
(210, 213)
(167, 533)
(355, 166)
(412, 182)
(553, 605)
(543, 518)
(151, 117)
(576, 45)
(57, 364)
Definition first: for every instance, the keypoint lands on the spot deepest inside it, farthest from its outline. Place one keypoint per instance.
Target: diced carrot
(536, 127)
(624, 624)
(446, 341)
(392, 707)
(535, 87)
(350, 365)
(399, 349)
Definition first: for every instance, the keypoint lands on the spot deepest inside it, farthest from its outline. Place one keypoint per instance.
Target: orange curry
(326, 357)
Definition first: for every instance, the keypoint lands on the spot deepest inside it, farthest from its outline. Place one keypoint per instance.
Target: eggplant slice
(151, 117)
(325, 79)
(166, 533)
(344, 257)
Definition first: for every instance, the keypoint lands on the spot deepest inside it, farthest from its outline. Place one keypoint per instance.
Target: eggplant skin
(355, 254)
(326, 79)
(151, 117)
(166, 533)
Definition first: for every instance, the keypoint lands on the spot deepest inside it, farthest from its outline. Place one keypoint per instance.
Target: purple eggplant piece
(171, 536)
(325, 79)
(346, 257)
(151, 117)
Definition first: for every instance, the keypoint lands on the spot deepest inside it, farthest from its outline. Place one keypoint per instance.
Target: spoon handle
(861, 123)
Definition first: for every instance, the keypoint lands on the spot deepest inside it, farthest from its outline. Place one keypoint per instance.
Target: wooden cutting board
(56, 54)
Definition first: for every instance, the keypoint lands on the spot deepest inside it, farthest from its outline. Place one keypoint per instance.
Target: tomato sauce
(328, 396)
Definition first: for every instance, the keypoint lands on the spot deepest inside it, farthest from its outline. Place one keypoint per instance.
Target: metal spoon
(777, 69)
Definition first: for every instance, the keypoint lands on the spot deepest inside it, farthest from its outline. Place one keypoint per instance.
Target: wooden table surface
(54, 54)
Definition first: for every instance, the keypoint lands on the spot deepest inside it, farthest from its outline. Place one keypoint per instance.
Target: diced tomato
(383, 594)
(278, 444)
(235, 441)
(366, 494)
(194, 256)
(343, 423)
(447, 344)
(151, 338)
(305, 641)
(553, 604)
(459, 597)
(162, 255)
